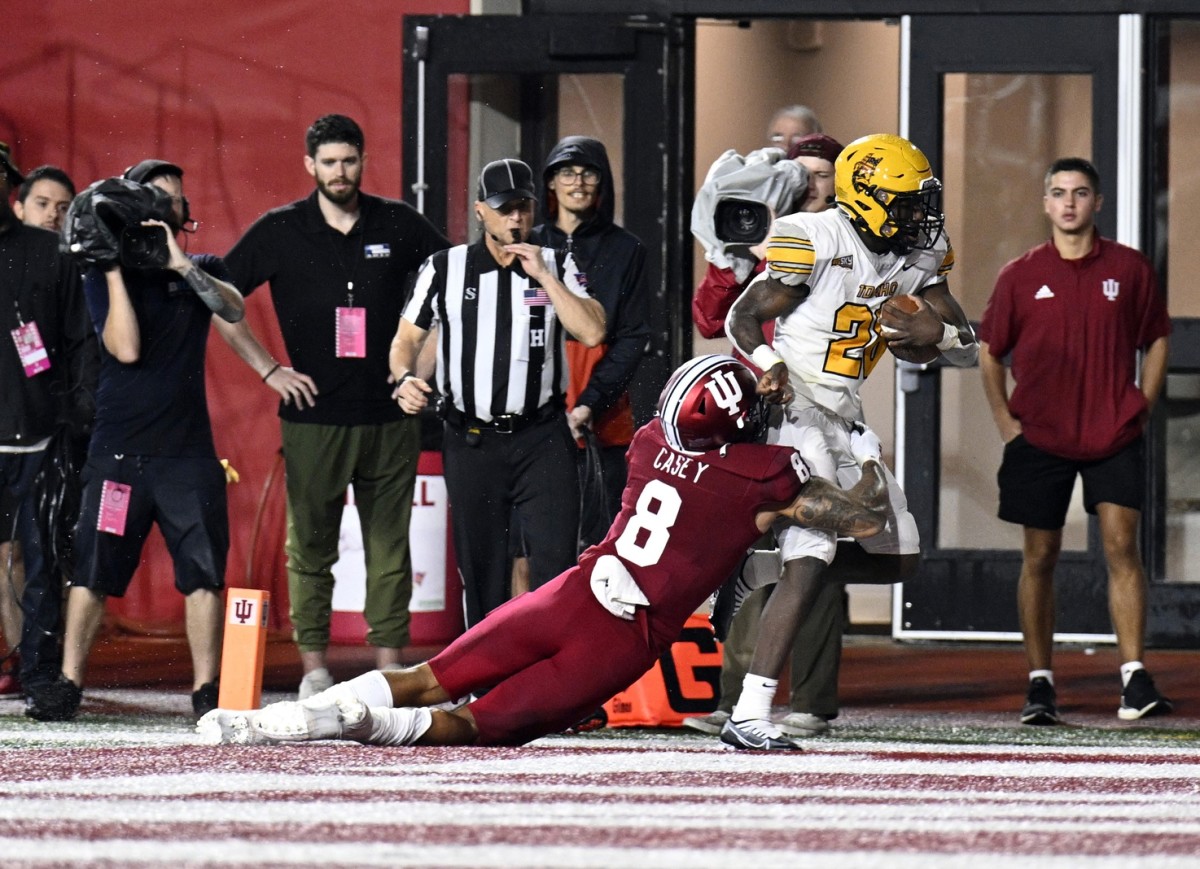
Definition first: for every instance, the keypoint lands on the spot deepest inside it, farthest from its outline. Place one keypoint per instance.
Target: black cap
(503, 181)
(143, 172)
(10, 168)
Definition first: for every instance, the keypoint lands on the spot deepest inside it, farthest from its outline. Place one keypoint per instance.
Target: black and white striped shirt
(500, 343)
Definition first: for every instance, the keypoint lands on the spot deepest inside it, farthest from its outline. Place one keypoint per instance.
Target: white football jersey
(831, 341)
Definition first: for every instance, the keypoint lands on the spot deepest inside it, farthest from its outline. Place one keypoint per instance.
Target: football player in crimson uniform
(825, 284)
(700, 491)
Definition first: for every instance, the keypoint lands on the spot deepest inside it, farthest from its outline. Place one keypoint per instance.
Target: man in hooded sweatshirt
(577, 208)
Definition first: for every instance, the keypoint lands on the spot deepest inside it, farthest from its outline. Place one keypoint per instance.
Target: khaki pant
(321, 461)
(816, 654)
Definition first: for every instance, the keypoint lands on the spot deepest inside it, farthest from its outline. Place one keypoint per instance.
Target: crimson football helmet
(711, 401)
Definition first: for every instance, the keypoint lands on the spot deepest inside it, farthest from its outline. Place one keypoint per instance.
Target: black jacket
(39, 284)
(613, 260)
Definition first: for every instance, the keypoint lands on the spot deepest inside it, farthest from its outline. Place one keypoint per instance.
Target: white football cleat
(343, 717)
(228, 727)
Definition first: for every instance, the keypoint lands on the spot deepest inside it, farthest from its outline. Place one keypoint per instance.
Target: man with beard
(339, 264)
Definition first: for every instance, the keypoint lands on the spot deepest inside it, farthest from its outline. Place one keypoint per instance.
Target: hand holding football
(896, 313)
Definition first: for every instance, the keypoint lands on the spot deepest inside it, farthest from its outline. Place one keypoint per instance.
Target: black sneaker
(1040, 703)
(204, 699)
(1140, 698)
(57, 701)
(756, 734)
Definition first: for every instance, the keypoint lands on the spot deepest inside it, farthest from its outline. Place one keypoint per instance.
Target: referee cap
(503, 181)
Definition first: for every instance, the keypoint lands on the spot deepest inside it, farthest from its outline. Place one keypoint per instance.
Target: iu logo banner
(1112, 289)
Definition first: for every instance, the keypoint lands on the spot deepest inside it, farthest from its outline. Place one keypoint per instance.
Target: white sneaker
(709, 723)
(292, 721)
(228, 727)
(803, 724)
(314, 683)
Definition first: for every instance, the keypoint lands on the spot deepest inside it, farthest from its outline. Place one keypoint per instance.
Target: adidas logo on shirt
(1044, 293)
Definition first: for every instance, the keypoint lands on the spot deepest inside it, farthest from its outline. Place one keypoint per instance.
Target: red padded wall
(226, 89)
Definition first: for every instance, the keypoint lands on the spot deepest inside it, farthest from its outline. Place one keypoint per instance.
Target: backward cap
(815, 145)
(143, 172)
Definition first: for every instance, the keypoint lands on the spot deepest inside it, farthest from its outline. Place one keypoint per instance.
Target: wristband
(950, 339)
(765, 357)
(407, 375)
(274, 368)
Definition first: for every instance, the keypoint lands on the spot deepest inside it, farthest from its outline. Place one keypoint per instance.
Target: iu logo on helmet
(726, 391)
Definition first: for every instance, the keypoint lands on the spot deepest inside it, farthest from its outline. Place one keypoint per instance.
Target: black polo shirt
(310, 267)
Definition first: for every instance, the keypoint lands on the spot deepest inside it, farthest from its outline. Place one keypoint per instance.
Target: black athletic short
(184, 496)
(1036, 486)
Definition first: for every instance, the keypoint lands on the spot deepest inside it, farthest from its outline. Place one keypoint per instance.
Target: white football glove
(615, 588)
(865, 445)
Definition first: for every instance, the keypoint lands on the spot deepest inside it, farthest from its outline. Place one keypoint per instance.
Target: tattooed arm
(860, 511)
(220, 297)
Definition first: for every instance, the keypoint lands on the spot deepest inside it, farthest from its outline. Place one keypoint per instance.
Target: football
(917, 355)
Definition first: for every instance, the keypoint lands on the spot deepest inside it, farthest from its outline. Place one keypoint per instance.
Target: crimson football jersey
(687, 518)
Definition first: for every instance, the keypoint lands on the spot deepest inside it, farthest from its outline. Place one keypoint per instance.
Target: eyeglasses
(567, 175)
(783, 141)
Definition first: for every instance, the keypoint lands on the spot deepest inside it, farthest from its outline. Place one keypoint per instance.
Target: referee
(503, 308)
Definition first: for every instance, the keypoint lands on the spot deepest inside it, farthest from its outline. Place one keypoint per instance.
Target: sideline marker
(244, 648)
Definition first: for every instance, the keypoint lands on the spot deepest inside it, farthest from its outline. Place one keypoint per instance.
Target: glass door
(992, 100)
(479, 88)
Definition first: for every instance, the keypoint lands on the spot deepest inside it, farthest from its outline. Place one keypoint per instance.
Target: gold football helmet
(885, 185)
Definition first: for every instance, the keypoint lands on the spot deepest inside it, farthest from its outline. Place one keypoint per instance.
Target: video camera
(104, 224)
(734, 207)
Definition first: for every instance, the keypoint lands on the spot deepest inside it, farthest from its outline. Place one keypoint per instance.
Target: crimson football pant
(546, 660)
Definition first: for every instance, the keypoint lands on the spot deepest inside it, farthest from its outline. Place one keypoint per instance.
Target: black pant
(41, 657)
(488, 475)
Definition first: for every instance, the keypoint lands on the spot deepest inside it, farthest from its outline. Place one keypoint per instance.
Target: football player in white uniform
(828, 276)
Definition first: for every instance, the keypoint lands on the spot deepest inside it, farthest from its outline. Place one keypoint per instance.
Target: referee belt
(505, 423)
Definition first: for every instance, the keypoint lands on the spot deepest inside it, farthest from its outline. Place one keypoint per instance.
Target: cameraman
(151, 458)
(715, 295)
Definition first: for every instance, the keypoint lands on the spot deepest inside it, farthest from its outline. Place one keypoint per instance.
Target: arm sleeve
(714, 297)
(249, 263)
(81, 346)
(627, 342)
(420, 311)
(1156, 322)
